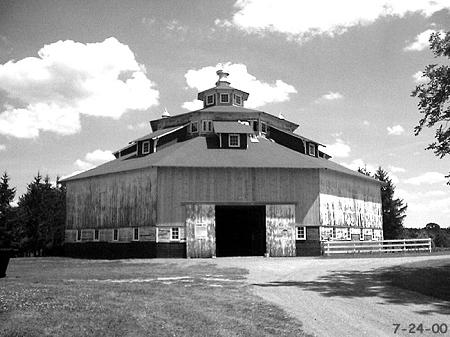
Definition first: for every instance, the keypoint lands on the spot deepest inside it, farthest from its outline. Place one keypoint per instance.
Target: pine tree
(393, 208)
(6, 197)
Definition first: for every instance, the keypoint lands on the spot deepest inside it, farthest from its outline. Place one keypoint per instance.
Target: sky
(80, 79)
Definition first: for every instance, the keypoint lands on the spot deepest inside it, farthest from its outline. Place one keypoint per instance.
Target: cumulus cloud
(261, 93)
(419, 78)
(421, 41)
(2, 147)
(366, 123)
(306, 19)
(68, 79)
(339, 149)
(396, 169)
(90, 160)
(359, 163)
(139, 126)
(427, 178)
(395, 130)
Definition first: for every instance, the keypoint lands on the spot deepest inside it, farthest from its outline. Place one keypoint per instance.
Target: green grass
(431, 277)
(70, 297)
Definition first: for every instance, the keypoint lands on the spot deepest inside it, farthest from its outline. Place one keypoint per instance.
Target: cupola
(222, 93)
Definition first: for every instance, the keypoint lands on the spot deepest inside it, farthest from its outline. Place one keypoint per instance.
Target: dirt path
(341, 297)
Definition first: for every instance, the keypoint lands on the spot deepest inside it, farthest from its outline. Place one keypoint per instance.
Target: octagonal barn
(220, 181)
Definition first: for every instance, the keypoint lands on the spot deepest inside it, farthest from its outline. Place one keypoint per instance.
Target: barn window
(361, 234)
(348, 234)
(373, 234)
(334, 232)
(233, 140)
(175, 233)
(210, 99)
(224, 98)
(312, 150)
(146, 147)
(237, 100)
(96, 235)
(78, 238)
(194, 127)
(263, 127)
(115, 234)
(135, 234)
(207, 125)
(301, 233)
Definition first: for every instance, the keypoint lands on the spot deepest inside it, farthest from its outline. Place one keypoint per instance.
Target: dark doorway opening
(240, 230)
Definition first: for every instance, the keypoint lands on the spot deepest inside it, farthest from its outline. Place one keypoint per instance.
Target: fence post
(429, 244)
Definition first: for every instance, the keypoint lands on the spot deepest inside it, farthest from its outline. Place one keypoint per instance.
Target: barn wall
(179, 186)
(349, 204)
(126, 199)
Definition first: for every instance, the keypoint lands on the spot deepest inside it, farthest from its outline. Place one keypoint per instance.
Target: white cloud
(331, 96)
(395, 130)
(339, 149)
(305, 19)
(68, 79)
(359, 163)
(421, 41)
(143, 125)
(427, 178)
(192, 105)
(261, 93)
(396, 169)
(404, 194)
(94, 158)
(366, 123)
(419, 78)
(2, 147)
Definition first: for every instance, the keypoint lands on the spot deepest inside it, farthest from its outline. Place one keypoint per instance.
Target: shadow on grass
(398, 285)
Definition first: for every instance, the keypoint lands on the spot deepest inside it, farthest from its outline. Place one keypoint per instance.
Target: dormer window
(210, 99)
(146, 147)
(263, 127)
(312, 150)
(194, 127)
(207, 126)
(233, 140)
(237, 100)
(224, 98)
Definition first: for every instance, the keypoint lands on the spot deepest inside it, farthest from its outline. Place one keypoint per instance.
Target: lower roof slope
(195, 153)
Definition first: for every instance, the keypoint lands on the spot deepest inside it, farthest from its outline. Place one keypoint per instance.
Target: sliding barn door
(200, 230)
(280, 230)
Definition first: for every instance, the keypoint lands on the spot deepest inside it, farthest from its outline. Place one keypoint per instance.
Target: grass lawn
(431, 278)
(71, 297)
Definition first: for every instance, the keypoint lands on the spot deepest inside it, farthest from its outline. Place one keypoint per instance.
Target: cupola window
(237, 100)
(233, 140)
(224, 98)
(210, 99)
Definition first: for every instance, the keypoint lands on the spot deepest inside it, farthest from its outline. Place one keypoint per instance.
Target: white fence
(374, 247)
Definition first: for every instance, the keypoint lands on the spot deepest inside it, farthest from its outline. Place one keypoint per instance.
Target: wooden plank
(178, 186)
(200, 230)
(126, 199)
(280, 230)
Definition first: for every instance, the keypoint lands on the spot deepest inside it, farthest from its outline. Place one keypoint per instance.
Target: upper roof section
(222, 93)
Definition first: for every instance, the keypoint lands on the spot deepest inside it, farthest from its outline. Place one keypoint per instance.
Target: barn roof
(196, 153)
(159, 133)
(231, 127)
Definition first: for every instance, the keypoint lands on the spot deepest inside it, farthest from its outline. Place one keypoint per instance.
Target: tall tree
(42, 215)
(393, 208)
(434, 97)
(7, 194)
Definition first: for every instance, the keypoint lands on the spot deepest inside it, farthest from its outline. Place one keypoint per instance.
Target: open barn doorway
(240, 230)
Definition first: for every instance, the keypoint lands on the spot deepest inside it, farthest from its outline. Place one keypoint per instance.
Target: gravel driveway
(341, 297)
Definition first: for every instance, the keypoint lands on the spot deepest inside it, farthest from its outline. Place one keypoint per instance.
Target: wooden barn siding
(204, 246)
(343, 185)
(177, 186)
(125, 199)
